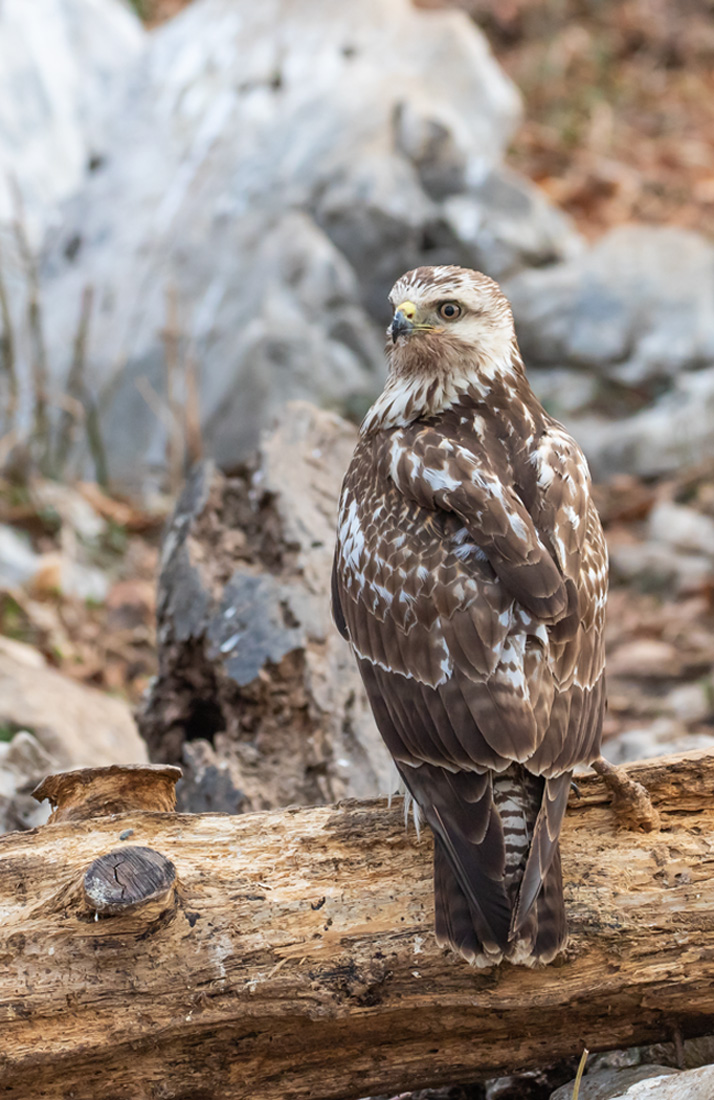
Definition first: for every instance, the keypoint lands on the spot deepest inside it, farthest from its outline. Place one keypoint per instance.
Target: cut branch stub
(119, 788)
(630, 800)
(127, 880)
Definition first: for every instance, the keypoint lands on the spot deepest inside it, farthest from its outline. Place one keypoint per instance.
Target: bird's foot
(630, 800)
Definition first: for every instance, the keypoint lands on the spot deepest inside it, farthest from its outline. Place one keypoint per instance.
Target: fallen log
(291, 954)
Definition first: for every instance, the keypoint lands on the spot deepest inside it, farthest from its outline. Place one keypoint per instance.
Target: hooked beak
(400, 326)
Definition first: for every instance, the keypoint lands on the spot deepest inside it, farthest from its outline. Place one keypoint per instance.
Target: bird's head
(440, 309)
(452, 331)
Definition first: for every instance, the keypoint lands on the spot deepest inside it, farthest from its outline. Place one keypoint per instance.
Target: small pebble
(126, 834)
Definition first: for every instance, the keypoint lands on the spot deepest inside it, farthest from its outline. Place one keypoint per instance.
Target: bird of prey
(470, 578)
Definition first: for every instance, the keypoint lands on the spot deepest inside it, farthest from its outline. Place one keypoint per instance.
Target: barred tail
(543, 935)
(533, 928)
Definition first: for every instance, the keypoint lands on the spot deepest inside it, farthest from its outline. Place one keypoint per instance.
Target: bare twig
(194, 435)
(75, 388)
(7, 442)
(95, 442)
(155, 403)
(7, 353)
(180, 411)
(174, 441)
(38, 357)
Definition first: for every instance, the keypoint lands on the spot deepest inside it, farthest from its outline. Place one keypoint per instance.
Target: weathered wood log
(294, 957)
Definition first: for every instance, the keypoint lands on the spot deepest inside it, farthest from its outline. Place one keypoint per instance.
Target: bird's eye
(449, 311)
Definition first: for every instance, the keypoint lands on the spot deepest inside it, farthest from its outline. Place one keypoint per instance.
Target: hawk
(470, 579)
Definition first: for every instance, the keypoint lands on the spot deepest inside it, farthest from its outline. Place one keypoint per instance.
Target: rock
(659, 737)
(249, 659)
(209, 784)
(682, 528)
(23, 763)
(638, 307)
(647, 1081)
(673, 431)
(384, 223)
(58, 572)
(72, 509)
(656, 567)
(691, 702)
(692, 1084)
(678, 550)
(66, 570)
(59, 63)
(694, 1052)
(644, 658)
(76, 725)
(18, 561)
(529, 1085)
(631, 1056)
(507, 224)
(637, 312)
(609, 1084)
(564, 392)
(273, 168)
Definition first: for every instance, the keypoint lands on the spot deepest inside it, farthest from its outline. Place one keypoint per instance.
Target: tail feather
(454, 919)
(542, 936)
(544, 933)
(497, 880)
(543, 844)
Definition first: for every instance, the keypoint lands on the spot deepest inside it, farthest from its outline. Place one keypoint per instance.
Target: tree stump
(257, 696)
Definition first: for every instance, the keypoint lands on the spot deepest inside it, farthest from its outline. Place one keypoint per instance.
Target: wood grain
(295, 956)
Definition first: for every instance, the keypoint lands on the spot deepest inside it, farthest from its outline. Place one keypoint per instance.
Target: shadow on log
(292, 953)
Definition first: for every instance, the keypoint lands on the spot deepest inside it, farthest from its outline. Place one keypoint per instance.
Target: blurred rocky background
(202, 208)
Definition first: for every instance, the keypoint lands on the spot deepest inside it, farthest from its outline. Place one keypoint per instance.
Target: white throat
(410, 395)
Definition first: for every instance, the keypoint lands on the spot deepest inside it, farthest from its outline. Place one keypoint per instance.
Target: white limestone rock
(60, 61)
(609, 1084)
(76, 725)
(635, 312)
(275, 167)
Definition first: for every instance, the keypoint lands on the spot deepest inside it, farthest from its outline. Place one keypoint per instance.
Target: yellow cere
(408, 309)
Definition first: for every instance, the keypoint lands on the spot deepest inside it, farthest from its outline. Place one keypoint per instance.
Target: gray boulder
(59, 64)
(672, 431)
(76, 725)
(693, 1084)
(611, 1084)
(625, 332)
(638, 307)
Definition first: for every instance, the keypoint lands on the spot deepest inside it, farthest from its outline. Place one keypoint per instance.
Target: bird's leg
(630, 800)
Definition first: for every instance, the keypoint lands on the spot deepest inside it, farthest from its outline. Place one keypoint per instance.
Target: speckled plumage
(470, 579)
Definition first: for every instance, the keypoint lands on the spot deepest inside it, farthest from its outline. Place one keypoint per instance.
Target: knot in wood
(127, 879)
